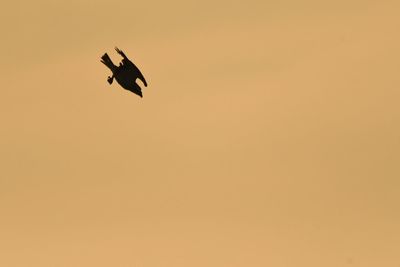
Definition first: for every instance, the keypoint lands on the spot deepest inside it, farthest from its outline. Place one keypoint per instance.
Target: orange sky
(269, 134)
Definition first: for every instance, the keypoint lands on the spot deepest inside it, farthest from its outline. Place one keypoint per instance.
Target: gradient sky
(269, 134)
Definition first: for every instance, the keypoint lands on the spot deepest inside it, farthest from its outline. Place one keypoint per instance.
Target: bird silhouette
(125, 74)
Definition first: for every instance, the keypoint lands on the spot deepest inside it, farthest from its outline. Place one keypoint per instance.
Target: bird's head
(137, 89)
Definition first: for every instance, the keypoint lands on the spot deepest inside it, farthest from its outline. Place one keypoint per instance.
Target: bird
(125, 74)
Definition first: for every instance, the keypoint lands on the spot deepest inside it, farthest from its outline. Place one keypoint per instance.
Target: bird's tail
(106, 60)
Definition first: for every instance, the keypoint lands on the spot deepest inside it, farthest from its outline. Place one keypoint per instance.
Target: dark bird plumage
(125, 74)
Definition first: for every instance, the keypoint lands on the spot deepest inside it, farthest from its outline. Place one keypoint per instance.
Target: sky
(269, 134)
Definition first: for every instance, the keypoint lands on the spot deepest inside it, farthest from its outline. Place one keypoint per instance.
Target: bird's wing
(127, 62)
(120, 52)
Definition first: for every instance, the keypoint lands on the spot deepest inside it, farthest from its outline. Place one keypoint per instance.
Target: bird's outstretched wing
(129, 63)
(119, 51)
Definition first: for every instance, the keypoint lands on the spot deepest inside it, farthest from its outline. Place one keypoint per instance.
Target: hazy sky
(269, 134)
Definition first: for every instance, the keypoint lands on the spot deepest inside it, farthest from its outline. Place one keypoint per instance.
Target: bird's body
(125, 74)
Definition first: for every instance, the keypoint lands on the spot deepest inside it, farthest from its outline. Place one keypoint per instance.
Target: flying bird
(125, 74)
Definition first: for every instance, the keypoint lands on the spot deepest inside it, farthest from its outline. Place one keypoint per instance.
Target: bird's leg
(110, 79)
